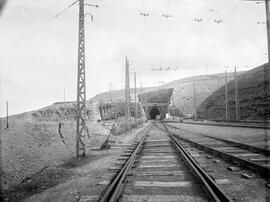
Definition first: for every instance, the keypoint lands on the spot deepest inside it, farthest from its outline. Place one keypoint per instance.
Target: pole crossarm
(91, 5)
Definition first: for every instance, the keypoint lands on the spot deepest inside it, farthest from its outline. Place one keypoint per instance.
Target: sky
(38, 53)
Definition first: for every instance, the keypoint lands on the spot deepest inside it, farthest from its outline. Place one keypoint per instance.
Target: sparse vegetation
(253, 96)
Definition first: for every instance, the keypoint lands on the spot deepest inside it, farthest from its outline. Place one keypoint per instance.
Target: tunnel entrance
(154, 112)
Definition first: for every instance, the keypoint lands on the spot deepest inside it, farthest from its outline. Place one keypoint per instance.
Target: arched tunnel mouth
(154, 112)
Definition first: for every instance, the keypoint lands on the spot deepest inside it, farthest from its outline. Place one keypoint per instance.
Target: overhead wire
(232, 10)
(215, 11)
(63, 11)
(42, 27)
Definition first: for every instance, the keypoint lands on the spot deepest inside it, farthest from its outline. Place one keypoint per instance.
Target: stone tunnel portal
(156, 102)
(154, 112)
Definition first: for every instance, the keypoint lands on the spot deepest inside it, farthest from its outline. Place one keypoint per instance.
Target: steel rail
(251, 148)
(114, 189)
(263, 171)
(237, 144)
(224, 124)
(206, 182)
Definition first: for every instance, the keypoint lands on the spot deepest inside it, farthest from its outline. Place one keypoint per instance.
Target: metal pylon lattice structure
(81, 89)
(127, 98)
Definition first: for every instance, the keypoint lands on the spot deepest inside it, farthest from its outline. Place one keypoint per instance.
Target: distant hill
(205, 85)
(254, 98)
(57, 112)
(117, 95)
(182, 97)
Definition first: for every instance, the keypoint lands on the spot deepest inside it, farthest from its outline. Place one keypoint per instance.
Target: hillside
(205, 85)
(35, 135)
(117, 95)
(182, 97)
(254, 98)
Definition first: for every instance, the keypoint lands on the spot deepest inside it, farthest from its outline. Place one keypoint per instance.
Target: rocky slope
(33, 140)
(205, 85)
(253, 96)
(183, 94)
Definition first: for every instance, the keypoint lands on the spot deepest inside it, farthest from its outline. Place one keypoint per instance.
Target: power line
(232, 10)
(42, 27)
(63, 11)
(219, 19)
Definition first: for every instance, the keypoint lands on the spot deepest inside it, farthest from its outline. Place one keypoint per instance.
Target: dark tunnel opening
(154, 112)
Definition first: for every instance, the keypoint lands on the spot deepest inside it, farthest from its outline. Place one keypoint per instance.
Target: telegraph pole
(135, 97)
(64, 95)
(236, 95)
(173, 106)
(195, 103)
(267, 14)
(141, 92)
(7, 114)
(127, 98)
(268, 26)
(81, 89)
(226, 96)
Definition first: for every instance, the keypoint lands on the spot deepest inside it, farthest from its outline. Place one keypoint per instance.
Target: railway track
(160, 169)
(248, 156)
(258, 125)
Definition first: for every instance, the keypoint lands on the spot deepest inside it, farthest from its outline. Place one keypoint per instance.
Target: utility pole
(236, 95)
(268, 26)
(135, 98)
(195, 103)
(226, 97)
(141, 91)
(267, 67)
(267, 14)
(173, 106)
(127, 99)
(81, 89)
(64, 95)
(7, 114)
(110, 92)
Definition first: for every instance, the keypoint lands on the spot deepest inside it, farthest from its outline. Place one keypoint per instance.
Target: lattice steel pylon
(81, 89)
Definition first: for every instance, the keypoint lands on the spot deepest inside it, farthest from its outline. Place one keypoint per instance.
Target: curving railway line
(159, 168)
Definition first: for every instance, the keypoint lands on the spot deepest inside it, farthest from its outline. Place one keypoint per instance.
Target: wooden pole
(64, 95)
(127, 99)
(267, 67)
(7, 115)
(268, 27)
(135, 98)
(195, 102)
(236, 95)
(226, 97)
